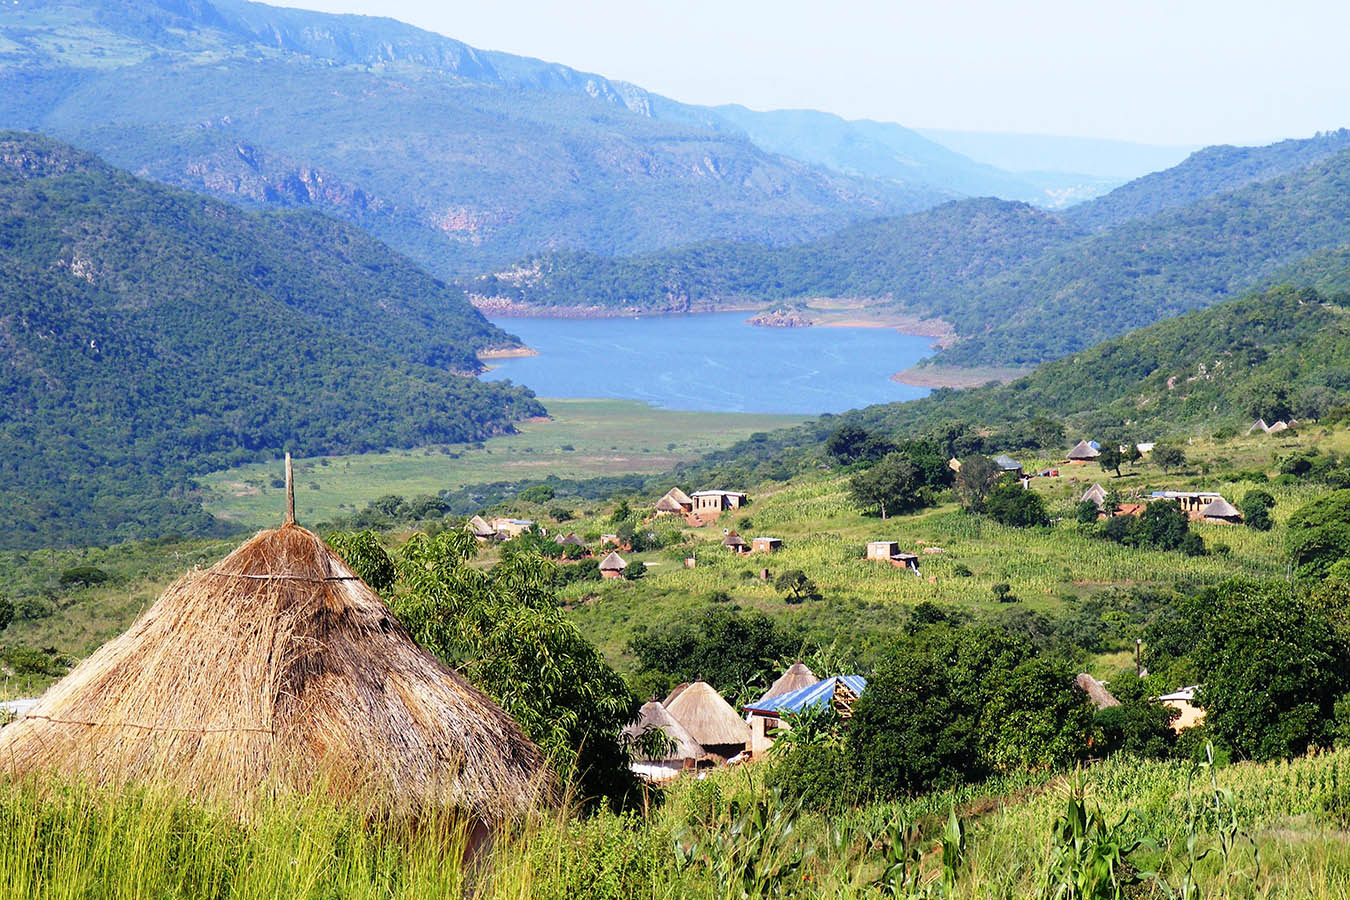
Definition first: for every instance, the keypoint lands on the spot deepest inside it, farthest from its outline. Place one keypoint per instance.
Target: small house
(1278, 427)
(510, 528)
(569, 540)
(889, 551)
(735, 543)
(954, 464)
(795, 677)
(1083, 452)
(1144, 447)
(1095, 495)
(481, 530)
(613, 540)
(1191, 502)
(675, 503)
(612, 566)
(684, 753)
(1096, 691)
(712, 503)
(1008, 465)
(766, 545)
(1259, 425)
(709, 719)
(840, 692)
(1220, 512)
(1183, 700)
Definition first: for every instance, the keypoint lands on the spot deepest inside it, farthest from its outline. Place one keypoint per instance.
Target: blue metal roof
(812, 695)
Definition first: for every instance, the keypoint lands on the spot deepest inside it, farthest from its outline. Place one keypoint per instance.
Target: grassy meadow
(581, 439)
(962, 557)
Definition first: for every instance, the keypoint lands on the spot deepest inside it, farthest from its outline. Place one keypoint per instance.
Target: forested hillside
(463, 159)
(915, 259)
(148, 334)
(1204, 173)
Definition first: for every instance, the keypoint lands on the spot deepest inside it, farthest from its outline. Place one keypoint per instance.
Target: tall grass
(723, 837)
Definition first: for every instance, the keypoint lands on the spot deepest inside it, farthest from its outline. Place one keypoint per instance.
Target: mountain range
(149, 334)
(463, 159)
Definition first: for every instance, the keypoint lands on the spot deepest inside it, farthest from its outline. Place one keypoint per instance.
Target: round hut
(684, 752)
(278, 670)
(709, 719)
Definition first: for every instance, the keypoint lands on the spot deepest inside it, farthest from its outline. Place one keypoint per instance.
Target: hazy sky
(1173, 72)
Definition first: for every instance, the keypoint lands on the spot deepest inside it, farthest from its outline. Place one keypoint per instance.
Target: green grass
(72, 841)
(608, 437)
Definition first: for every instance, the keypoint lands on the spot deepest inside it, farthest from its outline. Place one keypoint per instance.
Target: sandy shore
(507, 353)
(956, 376)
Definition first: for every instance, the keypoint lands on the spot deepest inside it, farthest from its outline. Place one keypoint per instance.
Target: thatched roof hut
(278, 669)
(654, 715)
(1096, 691)
(1220, 510)
(735, 542)
(710, 719)
(1095, 494)
(1083, 451)
(613, 565)
(480, 529)
(796, 676)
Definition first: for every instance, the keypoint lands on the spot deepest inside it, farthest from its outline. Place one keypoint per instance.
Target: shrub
(1086, 512)
(816, 774)
(6, 613)
(1003, 593)
(1141, 728)
(1011, 504)
(1319, 534)
(1256, 506)
(635, 570)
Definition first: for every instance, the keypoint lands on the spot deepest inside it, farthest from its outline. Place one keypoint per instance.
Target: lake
(713, 362)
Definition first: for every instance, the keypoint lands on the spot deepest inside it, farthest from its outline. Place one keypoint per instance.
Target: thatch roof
(1095, 494)
(654, 715)
(480, 528)
(733, 540)
(705, 715)
(668, 504)
(569, 540)
(278, 669)
(1219, 508)
(796, 676)
(676, 497)
(1084, 450)
(613, 563)
(1096, 691)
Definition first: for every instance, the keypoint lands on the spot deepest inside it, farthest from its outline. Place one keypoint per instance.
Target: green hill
(149, 334)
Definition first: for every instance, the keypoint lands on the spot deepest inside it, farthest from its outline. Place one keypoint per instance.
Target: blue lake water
(713, 362)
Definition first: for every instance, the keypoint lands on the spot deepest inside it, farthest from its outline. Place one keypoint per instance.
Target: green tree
(976, 479)
(850, 444)
(1011, 504)
(1111, 459)
(912, 730)
(636, 569)
(367, 557)
(726, 647)
(797, 586)
(6, 613)
(1169, 457)
(1140, 727)
(1318, 534)
(1039, 718)
(1256, 506)
(1272, 669)
(894, 484)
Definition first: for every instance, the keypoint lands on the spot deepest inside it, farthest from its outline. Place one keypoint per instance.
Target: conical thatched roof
(654, 715)
(278, 669)
(1219, 508)
(613, 563)
(679, 496)
(1096, 691)
(733, 540)
(666, 504)
(795, 677)
(705, 715)
(481, 528)
(1095, 494)
(1084, 450)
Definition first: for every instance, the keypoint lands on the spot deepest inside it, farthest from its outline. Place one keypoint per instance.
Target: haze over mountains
(462, 158)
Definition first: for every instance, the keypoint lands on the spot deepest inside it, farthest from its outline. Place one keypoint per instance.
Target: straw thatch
(613, 563)
(1083, 450)
(1096, 691)
(1221, 509)
(655, 715)
(278, 669)
(711, 720)
(481, 529)
(795, 677)
(1095, 494)
(734, 541)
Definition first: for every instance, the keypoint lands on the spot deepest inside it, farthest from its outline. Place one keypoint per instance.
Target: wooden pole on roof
(290, 492)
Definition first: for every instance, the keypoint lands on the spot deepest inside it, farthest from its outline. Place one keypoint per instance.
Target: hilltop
(150, 334)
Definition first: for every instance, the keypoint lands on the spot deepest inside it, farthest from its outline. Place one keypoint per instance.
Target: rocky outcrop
(780, 318)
